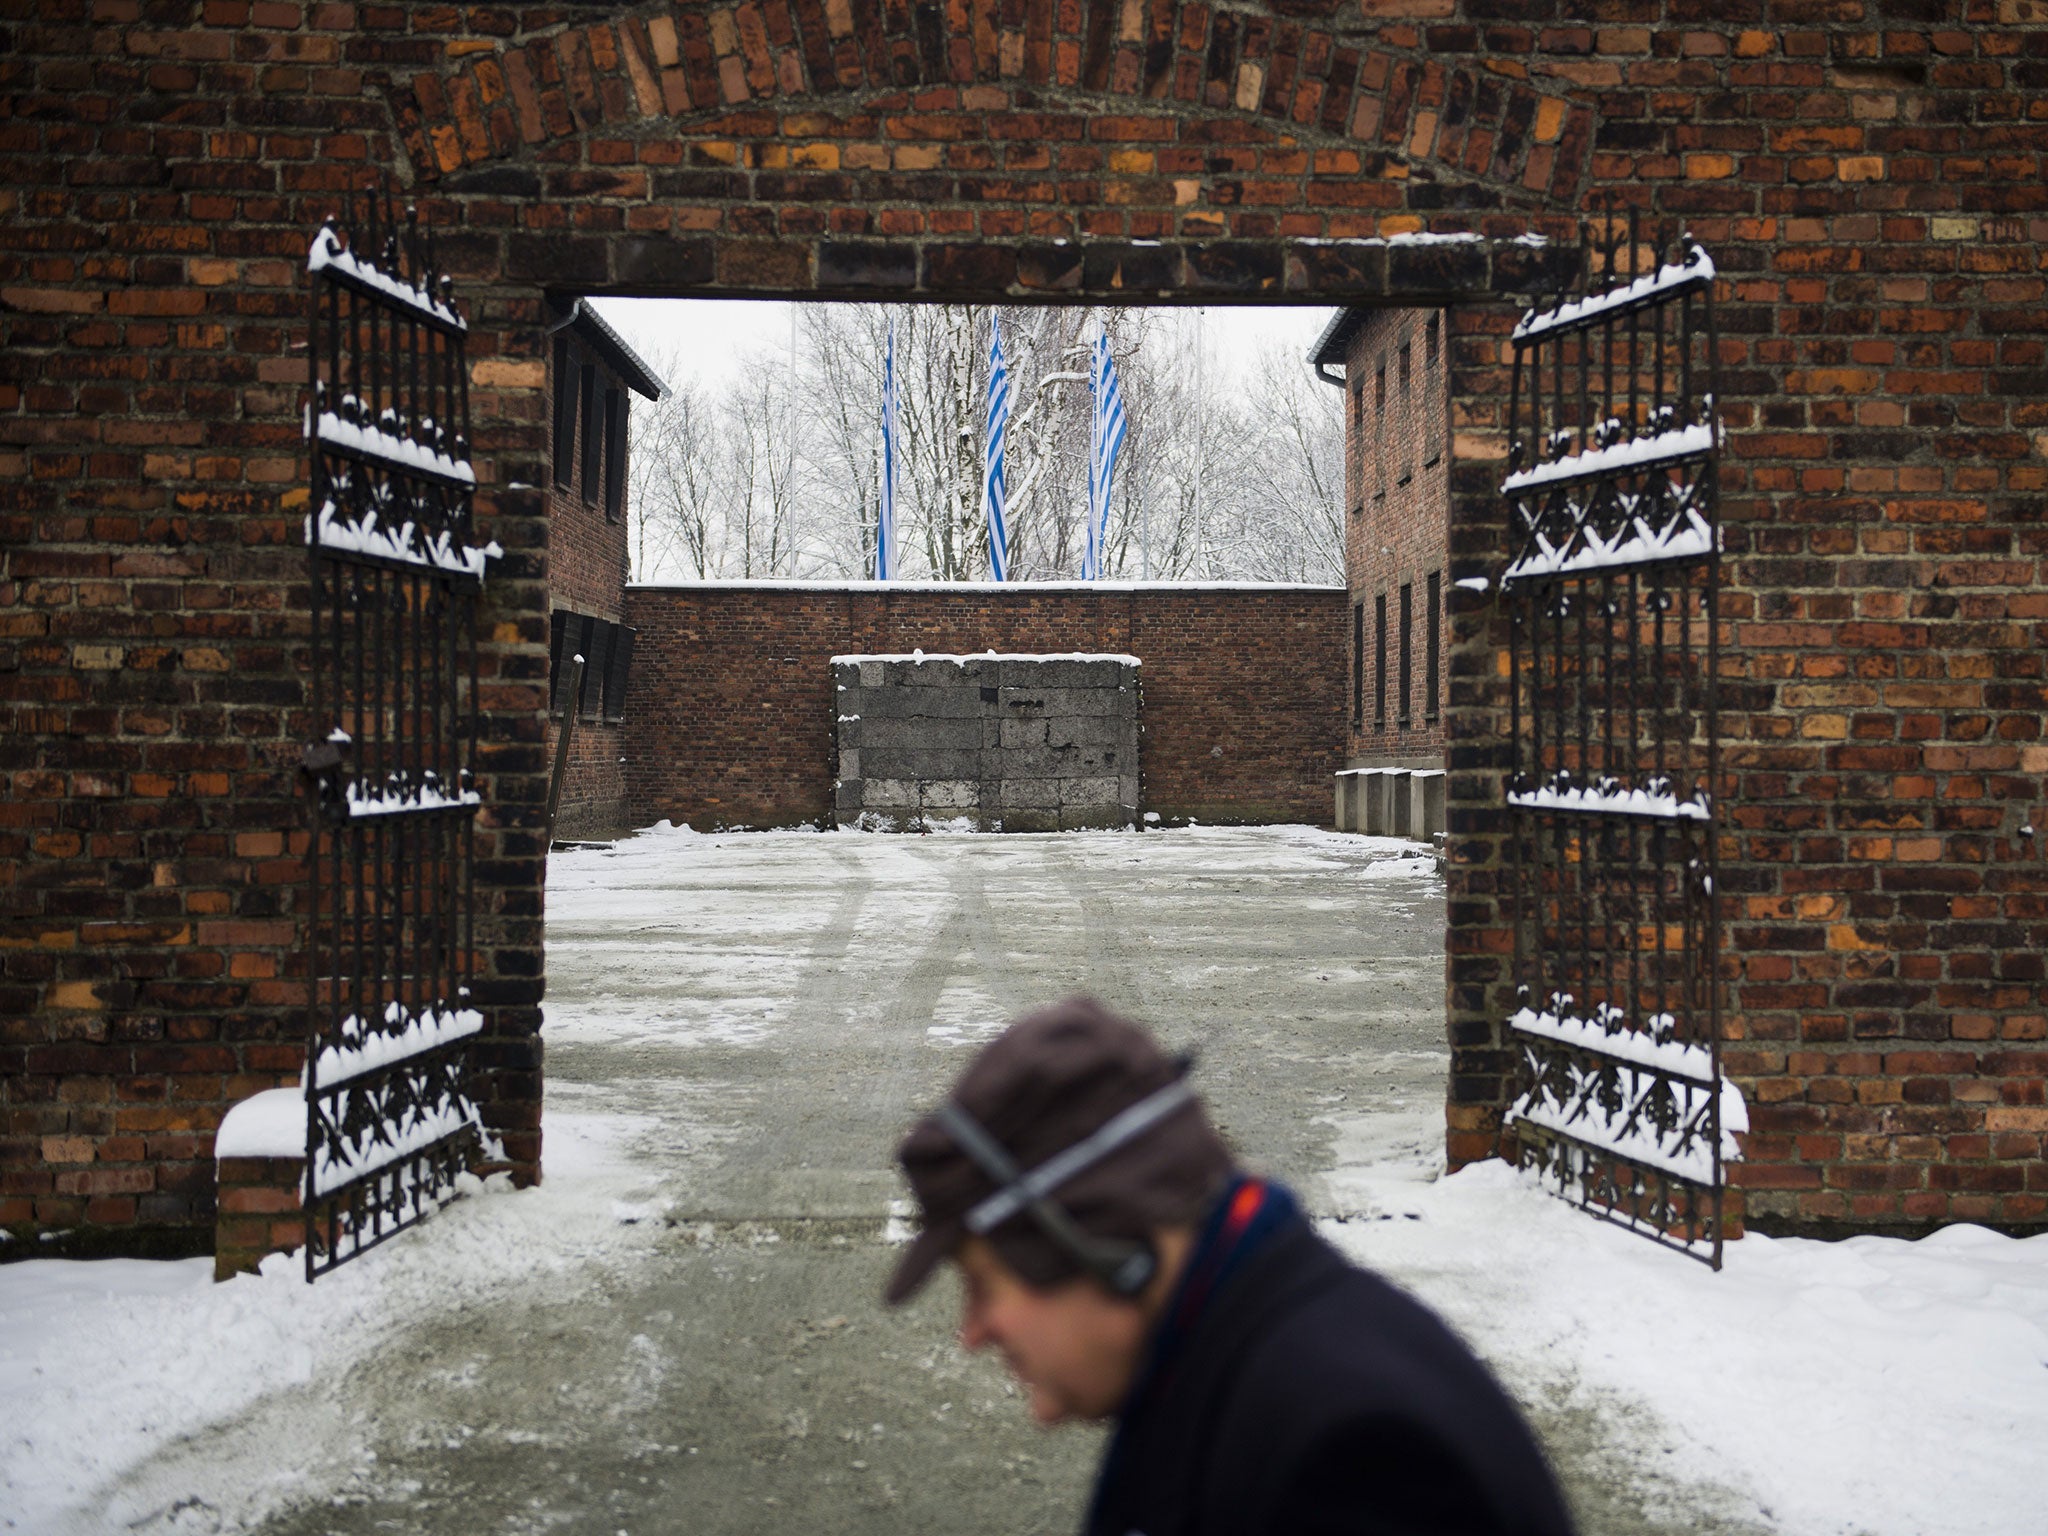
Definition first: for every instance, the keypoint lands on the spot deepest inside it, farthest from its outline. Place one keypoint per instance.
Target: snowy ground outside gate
(679, 1330)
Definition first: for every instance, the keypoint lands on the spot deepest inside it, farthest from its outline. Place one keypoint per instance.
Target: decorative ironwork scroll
(1611, 589)
(395, 575)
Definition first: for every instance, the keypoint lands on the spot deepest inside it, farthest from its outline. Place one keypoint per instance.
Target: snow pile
(1871, 1387)
(1636, 544)
(267, 1124)
(1661, 449)
(1694, 270)
(394, 1128)
(398, 796)
(1610, 799)
(1402, 867)
(391, 448)
(406, 543)
(1605, 1036)
(402, 1034)
(328, 252)
(1629, 1127)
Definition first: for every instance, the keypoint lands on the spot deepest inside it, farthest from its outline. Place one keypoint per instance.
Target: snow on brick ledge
(267, 1124)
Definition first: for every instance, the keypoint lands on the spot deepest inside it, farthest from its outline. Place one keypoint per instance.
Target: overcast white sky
(713, 336)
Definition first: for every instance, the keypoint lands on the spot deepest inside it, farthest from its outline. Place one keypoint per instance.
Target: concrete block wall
(1004, 743)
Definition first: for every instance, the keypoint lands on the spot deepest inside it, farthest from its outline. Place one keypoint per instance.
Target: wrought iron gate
(1611, 591)
(395, 575)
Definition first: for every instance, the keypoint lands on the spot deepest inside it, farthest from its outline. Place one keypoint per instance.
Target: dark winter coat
(1310, 1398)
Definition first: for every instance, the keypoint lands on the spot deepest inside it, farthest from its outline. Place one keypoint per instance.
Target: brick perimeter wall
(730, 718)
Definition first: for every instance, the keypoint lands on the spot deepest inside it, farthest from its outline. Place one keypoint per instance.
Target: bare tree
(787, 481)
(673, 482)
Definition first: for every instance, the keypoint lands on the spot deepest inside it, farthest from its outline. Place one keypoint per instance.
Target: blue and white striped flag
(1106, 442)
(994, 489)
(885, 521)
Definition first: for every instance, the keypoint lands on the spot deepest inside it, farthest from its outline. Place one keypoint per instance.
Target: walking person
(1126, 1269)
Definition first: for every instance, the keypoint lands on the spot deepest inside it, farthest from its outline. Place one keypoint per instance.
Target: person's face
(1074, 1348)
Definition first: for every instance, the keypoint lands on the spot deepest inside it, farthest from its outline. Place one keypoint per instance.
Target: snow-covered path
(678, 1332)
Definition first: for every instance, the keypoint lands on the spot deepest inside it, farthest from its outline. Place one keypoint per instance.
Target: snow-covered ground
(1862, 1388)
(1859, 1388)
(105, 1363)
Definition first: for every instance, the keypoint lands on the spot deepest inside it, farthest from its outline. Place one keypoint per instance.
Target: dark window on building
(1408, 415)
(565, 416)
(1407, 651)
(595, 660)
(587, 424)
(614, 453)
(607, 652)
(1434, 393)
(1379, 429)
(617, 666)
(558, 630)
(1432, 646)
(1357, 663)
(1379, 661)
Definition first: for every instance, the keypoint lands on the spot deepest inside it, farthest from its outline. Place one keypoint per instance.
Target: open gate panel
(395, 574)
(1611, 591)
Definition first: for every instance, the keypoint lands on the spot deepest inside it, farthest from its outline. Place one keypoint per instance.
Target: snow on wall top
(267, 1124)
(961, 661)
(796, 584)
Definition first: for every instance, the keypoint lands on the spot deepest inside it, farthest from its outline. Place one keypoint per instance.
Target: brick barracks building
(1866, 175)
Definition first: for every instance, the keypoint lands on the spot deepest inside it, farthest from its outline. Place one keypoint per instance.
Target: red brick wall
(730, 717)
(1397, 533)
(1865, 176)
(587, 565)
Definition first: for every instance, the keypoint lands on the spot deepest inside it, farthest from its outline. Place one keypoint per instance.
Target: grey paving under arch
(740, 1026)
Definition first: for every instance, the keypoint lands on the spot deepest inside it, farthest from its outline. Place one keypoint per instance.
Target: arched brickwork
(1867, 175)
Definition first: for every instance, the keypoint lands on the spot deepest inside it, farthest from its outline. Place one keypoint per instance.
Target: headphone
(1124, 1267)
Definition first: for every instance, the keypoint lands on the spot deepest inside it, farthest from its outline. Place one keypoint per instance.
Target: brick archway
(1862, 184)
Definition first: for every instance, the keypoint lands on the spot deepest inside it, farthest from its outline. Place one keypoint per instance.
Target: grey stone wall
(1002, 743)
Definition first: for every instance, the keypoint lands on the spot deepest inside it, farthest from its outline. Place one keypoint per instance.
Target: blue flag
(885, 521)
(1105, 442)
(994, 490)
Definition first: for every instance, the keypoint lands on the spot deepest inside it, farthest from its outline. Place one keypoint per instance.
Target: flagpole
(1201, 439)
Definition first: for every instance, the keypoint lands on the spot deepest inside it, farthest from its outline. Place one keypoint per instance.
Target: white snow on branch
(400, 799)
(1696, 267)
(1643, 1047)
(1472, 583)
(367, 537)
(399, 452)
(403, 1035)
(1629, 1129)
(1668, 447)
(961, 661)
(1611, 800)
(328, 252)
